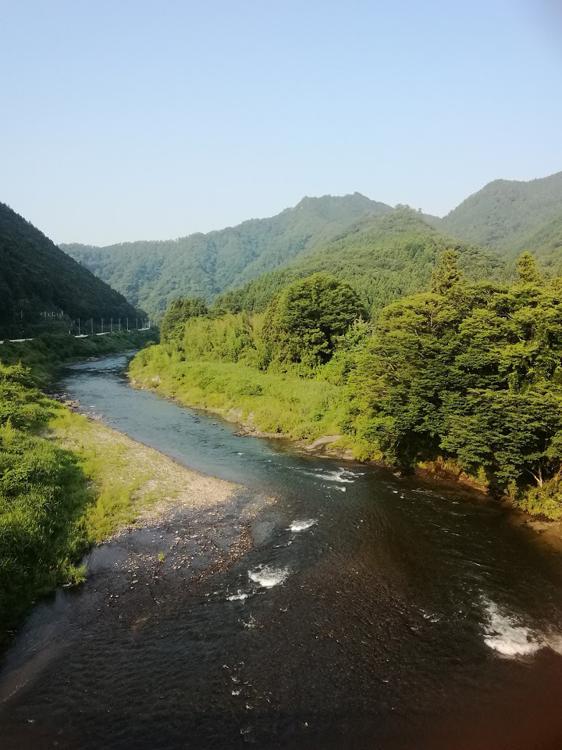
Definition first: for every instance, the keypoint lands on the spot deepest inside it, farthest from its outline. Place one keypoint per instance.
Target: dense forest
(388, 252)
(465, 374)
(384, 258)
(152, 274)
(40, 282)
(511, 216)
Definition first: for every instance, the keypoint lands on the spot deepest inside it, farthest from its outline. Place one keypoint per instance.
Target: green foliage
(178, 313)
(152, 274)
(527, 269)
(468, 374)
(382, 259)
(230, 338)
(303, 324)
(473, 374)
(273, 403)
(42, 494)
(510, 216)
(446, 273)
(36, 276)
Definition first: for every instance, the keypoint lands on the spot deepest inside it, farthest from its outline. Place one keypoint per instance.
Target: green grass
(65, 483)
(115, 481)
(280, 404)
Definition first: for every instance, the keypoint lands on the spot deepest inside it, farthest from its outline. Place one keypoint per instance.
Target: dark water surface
(354, 610)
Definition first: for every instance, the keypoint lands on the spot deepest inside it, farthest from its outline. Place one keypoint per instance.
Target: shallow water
(354, 610)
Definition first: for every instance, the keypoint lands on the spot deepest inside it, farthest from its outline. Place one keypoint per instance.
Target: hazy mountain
(151, 274)
(36, 276)
(383, 258)
(509, 216)
(387, 252)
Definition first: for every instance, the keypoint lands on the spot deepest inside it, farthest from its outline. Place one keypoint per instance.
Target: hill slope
(36, 277)
(383, 258)
(509, 215)
(151, 274)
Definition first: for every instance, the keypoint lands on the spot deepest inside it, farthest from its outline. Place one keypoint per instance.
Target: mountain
(546, 243)
(382, 257)
(511, 216)
(36, 277)
(151, 274)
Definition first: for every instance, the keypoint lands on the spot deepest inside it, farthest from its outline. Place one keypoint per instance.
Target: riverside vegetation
(60, 491)
(466, 375)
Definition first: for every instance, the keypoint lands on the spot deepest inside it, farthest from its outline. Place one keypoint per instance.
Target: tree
(446, 273)
(528, 269)
(177, 314)
(473, 375)
(304, 322)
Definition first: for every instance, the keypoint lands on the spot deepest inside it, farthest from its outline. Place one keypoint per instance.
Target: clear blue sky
(129, 119)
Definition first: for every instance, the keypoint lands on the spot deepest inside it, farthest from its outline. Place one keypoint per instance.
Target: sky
(145, 119)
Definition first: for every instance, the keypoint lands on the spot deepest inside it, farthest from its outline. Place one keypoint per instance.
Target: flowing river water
(357, 610)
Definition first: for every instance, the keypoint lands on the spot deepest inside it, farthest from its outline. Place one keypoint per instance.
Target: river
(367, 611)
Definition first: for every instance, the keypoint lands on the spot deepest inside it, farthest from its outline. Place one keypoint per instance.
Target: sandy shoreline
(157, 484)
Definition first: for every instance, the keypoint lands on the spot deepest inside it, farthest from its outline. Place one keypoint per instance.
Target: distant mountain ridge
(512, 215)
(340, 234)
(152, 273)
(383, 258)
(37, 277)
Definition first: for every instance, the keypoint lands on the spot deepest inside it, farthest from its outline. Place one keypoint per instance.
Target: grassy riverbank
(67, 482)
(127, 480)
(46, 354)
(271, 404)
(72, 484)
(463, 379)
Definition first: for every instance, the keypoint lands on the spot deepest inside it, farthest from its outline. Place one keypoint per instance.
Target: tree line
(466, 373)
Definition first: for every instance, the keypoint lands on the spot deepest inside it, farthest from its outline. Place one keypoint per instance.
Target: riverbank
(46, 354)
(104, 484)
(273, 405)
(132, 484)
(307, 412)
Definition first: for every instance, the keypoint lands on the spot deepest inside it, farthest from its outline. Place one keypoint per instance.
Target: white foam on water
(238, 597)
(268, 576)
(506, 635)
(431, 616)
(339, 476)
(303, 525)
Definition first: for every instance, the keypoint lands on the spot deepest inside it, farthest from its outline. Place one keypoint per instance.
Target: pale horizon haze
(145, 120)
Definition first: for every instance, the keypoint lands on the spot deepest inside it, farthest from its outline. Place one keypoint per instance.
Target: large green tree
(303, 323)
(472, 373)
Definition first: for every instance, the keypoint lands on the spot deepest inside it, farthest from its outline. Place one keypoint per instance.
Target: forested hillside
(151, 274)
(464, 375)
(37, 277)
(510, 216)
(383, 252)
(382, 258)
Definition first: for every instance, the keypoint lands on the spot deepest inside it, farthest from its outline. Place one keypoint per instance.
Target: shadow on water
(325, 606)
